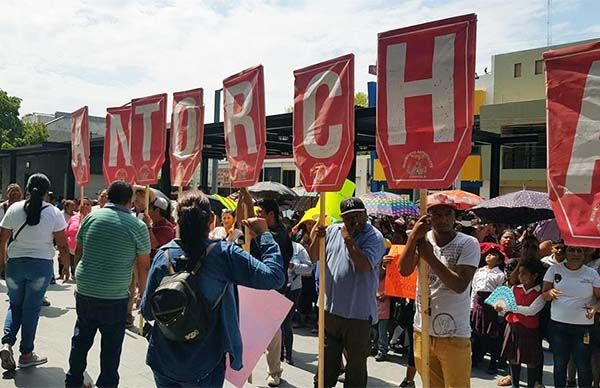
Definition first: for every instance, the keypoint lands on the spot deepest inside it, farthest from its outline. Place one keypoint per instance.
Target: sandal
(504, 381)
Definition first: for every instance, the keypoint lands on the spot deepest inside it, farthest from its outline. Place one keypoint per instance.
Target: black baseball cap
(352, 205)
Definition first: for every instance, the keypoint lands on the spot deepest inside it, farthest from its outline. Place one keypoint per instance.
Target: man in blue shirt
(354, 251)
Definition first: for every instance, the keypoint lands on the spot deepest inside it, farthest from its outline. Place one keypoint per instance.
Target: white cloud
(62, 55)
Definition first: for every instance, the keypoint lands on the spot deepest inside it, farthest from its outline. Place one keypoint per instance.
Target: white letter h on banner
(441, 88)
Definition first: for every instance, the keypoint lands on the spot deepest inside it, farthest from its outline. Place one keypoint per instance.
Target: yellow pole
(424, 299)
(179, 192)
(322, 265)
(81, 194)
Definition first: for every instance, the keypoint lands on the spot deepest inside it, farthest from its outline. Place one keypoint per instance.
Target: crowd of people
(160, 258)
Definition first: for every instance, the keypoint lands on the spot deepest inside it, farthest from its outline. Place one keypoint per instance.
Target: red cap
(440, 199)
(487, 247)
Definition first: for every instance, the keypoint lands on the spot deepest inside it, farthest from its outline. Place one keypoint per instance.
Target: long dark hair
(37, 187)
(194, 216)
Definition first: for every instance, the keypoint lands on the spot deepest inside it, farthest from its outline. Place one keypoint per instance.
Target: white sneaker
(273, 381)
(8, 360)
(32, 360)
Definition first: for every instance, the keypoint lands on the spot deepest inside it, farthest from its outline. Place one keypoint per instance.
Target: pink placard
(261, 315)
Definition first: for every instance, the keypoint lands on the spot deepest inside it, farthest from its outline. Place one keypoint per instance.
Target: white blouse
(486, 279)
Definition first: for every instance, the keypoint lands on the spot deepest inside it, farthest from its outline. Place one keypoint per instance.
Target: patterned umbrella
(520, 208)
(462, 199)
(388, 204)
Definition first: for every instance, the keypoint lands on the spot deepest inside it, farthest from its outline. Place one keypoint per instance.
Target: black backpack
(181, 312)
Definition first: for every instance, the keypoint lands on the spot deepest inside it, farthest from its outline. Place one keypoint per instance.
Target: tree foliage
(14, 132)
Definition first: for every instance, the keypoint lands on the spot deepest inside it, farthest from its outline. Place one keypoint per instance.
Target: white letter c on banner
(332, 81)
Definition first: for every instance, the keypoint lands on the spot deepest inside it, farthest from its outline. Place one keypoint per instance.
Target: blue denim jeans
(568, 340)
(27, 280)
(216, 378)
(109, 317)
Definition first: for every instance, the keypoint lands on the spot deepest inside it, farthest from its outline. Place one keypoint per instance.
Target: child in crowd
(522, 338)
(383, 312)
(486, 334)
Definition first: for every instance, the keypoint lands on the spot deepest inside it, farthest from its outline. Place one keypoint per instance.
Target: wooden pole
(81, 194)
(179, 192)
(141, 318)
(322, 265)
(424, 299)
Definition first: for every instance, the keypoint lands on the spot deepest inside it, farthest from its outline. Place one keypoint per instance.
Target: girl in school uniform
(522, 337)
(486, 333)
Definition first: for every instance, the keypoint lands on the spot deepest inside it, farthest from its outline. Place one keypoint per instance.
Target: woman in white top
(33, 225)
(573, 289)
(227, 231)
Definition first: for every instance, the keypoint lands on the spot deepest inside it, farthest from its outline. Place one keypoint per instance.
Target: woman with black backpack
(30, 228)
(191, 295)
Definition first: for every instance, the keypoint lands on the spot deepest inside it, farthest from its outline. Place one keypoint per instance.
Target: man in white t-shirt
(453, 258)
(558, 254)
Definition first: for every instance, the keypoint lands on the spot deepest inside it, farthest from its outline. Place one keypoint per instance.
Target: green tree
(14, 132)
(361, 100)
(11, 126)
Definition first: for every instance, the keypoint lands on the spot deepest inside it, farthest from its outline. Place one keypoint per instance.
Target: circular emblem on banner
(417, 163)
(145, 172)
(121, 174)
(595, 216)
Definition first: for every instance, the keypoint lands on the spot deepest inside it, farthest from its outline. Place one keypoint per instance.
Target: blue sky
(71, 53)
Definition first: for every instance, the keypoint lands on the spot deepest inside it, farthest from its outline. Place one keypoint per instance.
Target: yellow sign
(471, 170)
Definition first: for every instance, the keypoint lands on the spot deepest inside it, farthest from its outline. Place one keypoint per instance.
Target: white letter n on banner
(441, 87)
(586, 145)
(241, 118)
(118, 137)
(147, 110)
(332, 81)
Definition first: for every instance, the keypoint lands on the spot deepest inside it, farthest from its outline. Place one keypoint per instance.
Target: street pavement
(56, 327)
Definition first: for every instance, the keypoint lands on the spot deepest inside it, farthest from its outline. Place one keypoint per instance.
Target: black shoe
(52, 280)
(45, 302)
(381, 357)
(289, 361)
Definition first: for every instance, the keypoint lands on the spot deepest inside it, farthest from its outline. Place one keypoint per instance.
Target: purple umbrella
(520, 208)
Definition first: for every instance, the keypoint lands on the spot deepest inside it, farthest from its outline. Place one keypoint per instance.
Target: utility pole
(548, 23)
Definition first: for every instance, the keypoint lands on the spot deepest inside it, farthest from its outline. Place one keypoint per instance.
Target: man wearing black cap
(453, 258)
(354, 251)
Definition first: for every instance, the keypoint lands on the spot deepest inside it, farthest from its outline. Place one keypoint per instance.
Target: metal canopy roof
(279, 137)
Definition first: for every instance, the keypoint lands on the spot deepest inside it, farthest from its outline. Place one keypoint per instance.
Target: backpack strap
(210, 247)
(23, 226)
(169, 265)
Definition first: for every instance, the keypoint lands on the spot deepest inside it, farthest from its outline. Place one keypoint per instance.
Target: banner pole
(322, 264)
(81, 194)
(179, 192)
(141, 320)
(424, 299)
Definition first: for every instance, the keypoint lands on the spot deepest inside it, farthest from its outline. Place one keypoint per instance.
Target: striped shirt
(111, 239)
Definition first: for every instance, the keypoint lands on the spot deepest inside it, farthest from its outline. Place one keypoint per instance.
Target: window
(523, 156)
(289, 178)
(517, 72)
(539, 66)
(272, 174)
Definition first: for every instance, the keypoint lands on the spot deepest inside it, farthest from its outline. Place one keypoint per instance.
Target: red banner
(187, 135)
(245, 126)
(148, 137)
(80, 146)
(117, 163)
(396, 285)
(324, 123)
(425, 87)
(573, 101)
